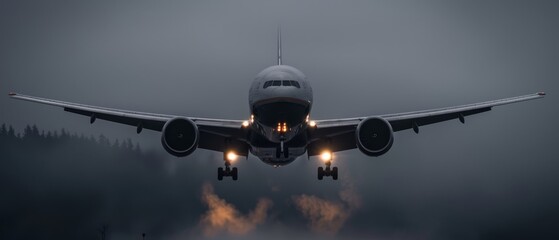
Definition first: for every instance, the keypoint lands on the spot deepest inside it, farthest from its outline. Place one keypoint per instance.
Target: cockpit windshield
(286, 83)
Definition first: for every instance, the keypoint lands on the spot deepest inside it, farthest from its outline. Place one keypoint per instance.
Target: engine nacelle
(374, 136)
(180, 136)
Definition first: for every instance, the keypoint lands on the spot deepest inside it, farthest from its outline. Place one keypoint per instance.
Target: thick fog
(493, 177)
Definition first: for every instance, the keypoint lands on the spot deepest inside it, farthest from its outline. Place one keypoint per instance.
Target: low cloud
(349, 196)
(328, 216)
(324, 216)
(224, 217)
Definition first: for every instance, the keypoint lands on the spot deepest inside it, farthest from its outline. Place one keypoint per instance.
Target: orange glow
(326, 156)
(282, 127)
(231, 156)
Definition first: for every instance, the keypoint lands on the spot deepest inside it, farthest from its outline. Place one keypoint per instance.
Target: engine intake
(180, 136)
(374, 136)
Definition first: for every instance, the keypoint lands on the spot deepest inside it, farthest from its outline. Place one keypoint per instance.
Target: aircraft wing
(213, 132)
(339, 134)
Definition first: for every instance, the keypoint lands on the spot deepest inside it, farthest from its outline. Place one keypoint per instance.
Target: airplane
(279, 129)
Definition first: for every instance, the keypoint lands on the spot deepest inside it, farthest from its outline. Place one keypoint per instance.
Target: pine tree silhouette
(3, 130)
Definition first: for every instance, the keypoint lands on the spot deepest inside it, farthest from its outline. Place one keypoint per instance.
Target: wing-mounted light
(310, 122)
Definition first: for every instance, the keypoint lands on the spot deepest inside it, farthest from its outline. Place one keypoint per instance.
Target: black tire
(335, 173)
(286, 152)
(234, 174)
(220, 173)
(320, 173)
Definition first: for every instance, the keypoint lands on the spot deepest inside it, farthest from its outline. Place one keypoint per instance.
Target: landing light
(231, 156)
(245, 123)
(326, 156)
(282, 127)
(312, 124)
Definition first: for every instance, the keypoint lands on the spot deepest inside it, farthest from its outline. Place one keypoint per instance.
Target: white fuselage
(280, 100)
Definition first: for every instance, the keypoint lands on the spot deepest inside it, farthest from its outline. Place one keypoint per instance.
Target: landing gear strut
(282, 150)
(327, 171)
(228, 171)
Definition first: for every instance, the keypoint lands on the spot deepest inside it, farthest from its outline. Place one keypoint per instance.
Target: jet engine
(180, 136)
(374, 136)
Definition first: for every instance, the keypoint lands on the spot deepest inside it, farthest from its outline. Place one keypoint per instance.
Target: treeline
(32, 134)
(61, 185)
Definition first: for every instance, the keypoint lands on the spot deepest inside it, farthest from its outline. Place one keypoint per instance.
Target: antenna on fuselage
(279, 45)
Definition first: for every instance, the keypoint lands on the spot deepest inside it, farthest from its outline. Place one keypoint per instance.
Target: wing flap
(143, 123)
(403, 124)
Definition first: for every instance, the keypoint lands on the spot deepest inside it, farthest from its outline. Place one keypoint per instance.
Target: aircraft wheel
(220, 173)
(278, 152)
(335, 173)
(320, 173)
(234, 173)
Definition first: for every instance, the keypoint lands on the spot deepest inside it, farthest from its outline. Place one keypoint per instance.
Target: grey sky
(197, 58)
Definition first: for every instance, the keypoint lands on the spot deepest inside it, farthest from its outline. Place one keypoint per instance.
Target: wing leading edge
(339, 134)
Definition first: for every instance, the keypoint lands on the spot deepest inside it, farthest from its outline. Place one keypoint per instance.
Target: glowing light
(326, 156)
(252, 118)
(312, 123)
(245, 124)
(231, 156)
(282, 127)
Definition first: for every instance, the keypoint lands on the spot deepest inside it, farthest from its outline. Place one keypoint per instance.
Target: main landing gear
(228, 171)
(322, 172)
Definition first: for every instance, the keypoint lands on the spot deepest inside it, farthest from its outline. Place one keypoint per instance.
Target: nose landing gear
(322, 172)
(282, 150)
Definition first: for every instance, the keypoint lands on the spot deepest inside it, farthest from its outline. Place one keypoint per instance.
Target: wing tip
(11, 94)
(541, 93)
